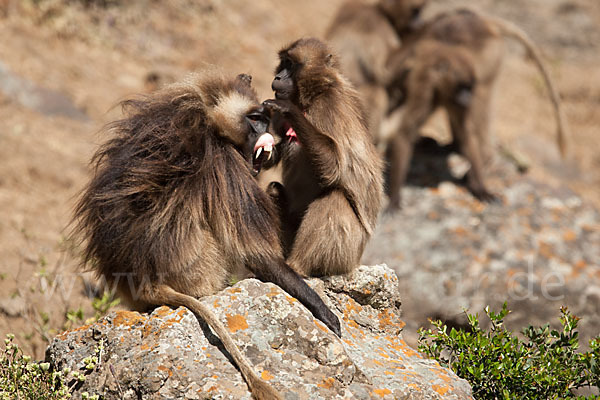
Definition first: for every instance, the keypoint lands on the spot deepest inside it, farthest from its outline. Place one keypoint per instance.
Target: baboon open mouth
(263, 151)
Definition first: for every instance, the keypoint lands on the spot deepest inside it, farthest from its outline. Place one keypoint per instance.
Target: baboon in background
(429, 76)
(364, 35)
(451, 42)
(332, 173)
(173, 209)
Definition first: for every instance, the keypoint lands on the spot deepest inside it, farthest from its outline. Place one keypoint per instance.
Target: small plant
(499, 365)
(102, 306)
(21, 378)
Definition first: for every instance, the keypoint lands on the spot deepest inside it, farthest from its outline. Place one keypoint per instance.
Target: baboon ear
(464, 95)
(329, 60)
(246, 79)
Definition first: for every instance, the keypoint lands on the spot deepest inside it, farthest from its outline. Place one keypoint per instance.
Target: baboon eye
(415, 12)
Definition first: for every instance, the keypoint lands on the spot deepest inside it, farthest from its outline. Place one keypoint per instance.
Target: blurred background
(64, 64)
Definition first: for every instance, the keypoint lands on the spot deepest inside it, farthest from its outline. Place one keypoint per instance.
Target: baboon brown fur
(451, 42)
(173, 209)
(332, 173)
(364, 35)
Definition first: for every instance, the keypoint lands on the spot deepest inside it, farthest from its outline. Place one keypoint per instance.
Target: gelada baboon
(364, 35)
(173, 209)
(331, 172)
(433, 69)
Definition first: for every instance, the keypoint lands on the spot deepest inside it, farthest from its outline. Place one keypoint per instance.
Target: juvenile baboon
(364, 35)
(332, 174)
(424, 75)
(172, 209)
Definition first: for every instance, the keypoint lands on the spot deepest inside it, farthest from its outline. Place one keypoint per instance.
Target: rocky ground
(537, 250)
(296, 354)
(85, 59)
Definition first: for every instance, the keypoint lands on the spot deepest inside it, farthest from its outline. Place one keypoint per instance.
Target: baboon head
(307, 70)
(404, 15)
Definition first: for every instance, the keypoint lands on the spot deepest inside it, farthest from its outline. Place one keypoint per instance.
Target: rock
(169, 354)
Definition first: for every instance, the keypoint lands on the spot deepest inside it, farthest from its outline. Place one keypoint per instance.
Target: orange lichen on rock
(327, 383)
(352, 306)
(127, 318)
(441, 389)
(579, 267)
(459, 230)
(274, 291)
(162, 311)
(385, 320)
(433, 215)
(266, 375)
(165, 369)
(321, 326)
(382, 392)
(352, 323)
(63, 335)
(546, 250)
(408, 351)
(236, 322)
(569, 236)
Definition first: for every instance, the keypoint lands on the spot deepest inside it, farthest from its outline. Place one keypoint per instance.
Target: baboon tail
(260, 389)
(511, 30)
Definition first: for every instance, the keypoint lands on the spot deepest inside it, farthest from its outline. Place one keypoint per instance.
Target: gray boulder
(169, 354)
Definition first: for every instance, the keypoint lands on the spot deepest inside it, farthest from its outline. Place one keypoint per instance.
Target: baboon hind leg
(330, 239)
(466, 130)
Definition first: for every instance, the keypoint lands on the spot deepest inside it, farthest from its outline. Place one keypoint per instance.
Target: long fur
(172, 209)
(162, 179)
(338, 161)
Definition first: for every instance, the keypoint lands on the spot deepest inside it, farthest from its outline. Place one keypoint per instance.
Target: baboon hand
(284, 107)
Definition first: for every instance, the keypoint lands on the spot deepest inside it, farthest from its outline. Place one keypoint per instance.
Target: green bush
(498, 365)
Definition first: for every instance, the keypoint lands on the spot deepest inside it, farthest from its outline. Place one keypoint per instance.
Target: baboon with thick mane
(424, 75)
(332, 173)
(173, 209)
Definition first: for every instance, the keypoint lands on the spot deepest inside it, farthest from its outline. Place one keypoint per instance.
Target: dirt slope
(99, 55)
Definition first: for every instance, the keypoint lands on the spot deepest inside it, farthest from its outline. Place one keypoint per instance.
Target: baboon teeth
(260, 149)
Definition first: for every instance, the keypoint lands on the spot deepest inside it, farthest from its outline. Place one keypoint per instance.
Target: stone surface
(169, 354)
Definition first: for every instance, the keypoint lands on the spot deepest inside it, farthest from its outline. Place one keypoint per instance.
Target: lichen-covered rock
(169, 354)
